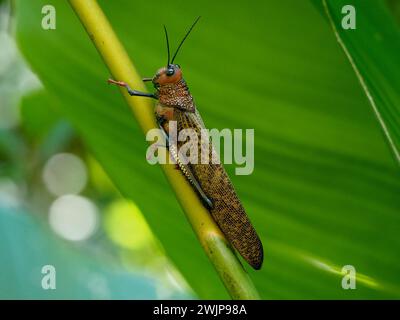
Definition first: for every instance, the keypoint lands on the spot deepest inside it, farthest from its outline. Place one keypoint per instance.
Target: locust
(210, 180)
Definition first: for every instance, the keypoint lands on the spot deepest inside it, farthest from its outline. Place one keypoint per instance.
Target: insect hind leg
(184, 167)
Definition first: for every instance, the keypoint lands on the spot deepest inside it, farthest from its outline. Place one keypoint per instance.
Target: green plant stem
(229, 268)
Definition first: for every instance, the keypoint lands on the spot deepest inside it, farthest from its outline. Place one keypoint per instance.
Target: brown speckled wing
(227, 209)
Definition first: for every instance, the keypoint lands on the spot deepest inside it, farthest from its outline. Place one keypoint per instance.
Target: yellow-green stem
(229, 268)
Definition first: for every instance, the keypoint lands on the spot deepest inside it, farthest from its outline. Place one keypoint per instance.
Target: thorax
(175, 95)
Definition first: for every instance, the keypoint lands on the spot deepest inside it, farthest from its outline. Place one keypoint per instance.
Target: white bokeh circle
(65, 173)
(73, 217)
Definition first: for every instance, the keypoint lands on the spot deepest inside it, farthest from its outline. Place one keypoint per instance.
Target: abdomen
(227, 209)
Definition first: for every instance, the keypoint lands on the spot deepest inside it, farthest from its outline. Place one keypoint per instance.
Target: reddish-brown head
(168, 75)
(172, 72)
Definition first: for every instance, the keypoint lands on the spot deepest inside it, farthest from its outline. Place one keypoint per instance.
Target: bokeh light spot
(126, 226)
(65, 173)
(9, 193)
(73, 217)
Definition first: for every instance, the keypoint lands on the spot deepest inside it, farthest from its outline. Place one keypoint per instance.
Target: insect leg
(131, 91)
(185, 168)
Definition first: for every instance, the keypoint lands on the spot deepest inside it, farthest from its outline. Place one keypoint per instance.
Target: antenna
(166, 37)
(184, 38)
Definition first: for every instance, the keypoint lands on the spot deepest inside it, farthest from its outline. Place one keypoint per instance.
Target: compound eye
(170, 71)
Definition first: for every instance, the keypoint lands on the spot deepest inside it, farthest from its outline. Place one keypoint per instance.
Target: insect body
(211, 182)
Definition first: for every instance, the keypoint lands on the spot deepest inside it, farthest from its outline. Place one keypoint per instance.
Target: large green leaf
(373, 50)
(324, 192)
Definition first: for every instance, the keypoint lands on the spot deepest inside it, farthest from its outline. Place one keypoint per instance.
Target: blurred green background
(76, 191)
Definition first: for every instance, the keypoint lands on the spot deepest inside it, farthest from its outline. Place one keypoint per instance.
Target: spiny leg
(186, 168)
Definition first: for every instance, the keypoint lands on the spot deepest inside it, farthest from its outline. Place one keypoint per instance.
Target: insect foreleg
(140, 94)
(131, 91)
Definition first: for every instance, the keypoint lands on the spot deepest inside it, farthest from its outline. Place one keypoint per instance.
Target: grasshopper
(210, 181)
